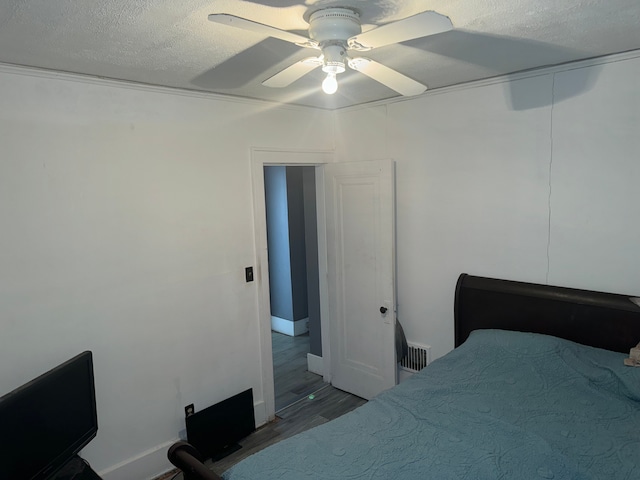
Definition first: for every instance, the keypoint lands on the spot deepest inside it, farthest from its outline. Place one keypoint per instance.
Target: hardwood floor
(327, 404)
(298, 411)
(292, 380)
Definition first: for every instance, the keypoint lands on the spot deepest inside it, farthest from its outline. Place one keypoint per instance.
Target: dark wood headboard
(603, 320)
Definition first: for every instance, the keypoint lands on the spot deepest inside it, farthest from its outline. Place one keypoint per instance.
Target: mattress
(502, 405)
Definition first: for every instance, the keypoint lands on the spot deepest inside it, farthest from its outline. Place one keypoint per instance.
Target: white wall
(595, 199)
(126, 217)
(534, 179)
(126, 223)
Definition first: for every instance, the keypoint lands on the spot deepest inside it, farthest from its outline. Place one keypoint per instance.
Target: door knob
(383, 310)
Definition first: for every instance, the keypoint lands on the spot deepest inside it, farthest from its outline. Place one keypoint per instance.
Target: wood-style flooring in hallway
(292, 380)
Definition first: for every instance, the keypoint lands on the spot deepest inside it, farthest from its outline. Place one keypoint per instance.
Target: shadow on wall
(503, 54)
(520, 97)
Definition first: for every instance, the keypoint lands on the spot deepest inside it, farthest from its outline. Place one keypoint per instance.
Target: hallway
(292, 380)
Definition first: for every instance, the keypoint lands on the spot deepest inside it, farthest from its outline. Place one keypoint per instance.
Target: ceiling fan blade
(262, 29)
(387, 76)
(286, 77)
(420, 25)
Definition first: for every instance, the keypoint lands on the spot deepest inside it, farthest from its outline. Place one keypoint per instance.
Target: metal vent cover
(418, 357)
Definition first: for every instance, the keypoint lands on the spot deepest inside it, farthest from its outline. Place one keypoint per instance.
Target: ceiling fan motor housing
(334, 24)
(331, 28)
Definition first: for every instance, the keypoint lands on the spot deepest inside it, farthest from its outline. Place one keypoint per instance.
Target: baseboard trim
(315, 364)
(260, 412)
(144, 466)
(403, 375)
(154, 462)
(287, 327)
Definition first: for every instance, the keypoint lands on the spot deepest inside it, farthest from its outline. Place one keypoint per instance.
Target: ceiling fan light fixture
(334, 55)
(333, 68)
(330, 84)
(333, 58)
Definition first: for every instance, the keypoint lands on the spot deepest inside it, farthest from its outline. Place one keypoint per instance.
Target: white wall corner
(315, 364)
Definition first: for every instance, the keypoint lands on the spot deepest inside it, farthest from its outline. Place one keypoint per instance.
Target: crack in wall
(553, 85)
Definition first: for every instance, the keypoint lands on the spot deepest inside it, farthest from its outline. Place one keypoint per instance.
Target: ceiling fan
(337, 33)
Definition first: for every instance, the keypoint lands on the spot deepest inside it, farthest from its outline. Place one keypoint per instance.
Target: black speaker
(215, 431)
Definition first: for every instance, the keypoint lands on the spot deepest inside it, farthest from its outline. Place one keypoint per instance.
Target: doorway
(292, 244)
(262, 157)
(359, 325)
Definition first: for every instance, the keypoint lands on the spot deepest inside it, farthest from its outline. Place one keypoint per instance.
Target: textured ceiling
(171, 43)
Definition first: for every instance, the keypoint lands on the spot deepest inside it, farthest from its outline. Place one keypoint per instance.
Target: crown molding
(44, 73)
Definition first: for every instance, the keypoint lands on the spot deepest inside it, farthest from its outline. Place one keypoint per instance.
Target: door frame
(261, 157)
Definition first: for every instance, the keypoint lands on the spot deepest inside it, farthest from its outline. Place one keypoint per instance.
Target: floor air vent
(417, 358)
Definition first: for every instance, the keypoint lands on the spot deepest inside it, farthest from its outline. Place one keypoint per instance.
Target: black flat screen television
(215, 431)
(46, 422)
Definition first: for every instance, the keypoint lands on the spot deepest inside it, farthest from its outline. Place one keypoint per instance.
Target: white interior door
(360, 226)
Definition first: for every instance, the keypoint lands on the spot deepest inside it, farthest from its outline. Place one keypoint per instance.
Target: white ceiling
(171, 43)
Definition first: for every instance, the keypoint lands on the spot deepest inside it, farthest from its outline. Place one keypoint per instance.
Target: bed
(536, 388)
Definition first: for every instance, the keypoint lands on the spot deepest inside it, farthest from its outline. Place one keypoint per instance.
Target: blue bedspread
(503, 405)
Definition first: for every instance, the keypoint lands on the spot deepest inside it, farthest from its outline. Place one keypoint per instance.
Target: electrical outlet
(189, 410)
